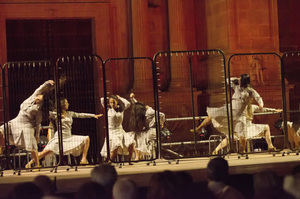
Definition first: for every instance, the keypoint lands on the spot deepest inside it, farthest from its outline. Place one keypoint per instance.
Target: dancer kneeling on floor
(142, 122)
(119, 140)
(243, 93)
(72, 144)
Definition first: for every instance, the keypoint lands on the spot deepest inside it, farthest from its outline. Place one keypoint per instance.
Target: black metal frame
(153, 61)
(189, 54)
(5, 119)
(155, 102)
(231, 135)
(96, 58)
(283, 74)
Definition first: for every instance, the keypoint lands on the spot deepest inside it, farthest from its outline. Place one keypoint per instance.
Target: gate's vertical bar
(5, 124)
(58, 109)
(284, 103)
(192, 100)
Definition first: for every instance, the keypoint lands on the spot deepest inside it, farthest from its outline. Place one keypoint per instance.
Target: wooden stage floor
(69, 181)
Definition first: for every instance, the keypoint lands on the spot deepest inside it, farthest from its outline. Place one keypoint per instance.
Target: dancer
(142, 122)
(72, 144)
(24, 130)
(258, 130)
(243, 93)
(293, 131)
(118, 138)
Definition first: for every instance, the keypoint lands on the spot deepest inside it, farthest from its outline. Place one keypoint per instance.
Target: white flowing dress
(144, 139)
(23, 128)
(256, 130)
(240, 100)
(72, 144)
(117, 136)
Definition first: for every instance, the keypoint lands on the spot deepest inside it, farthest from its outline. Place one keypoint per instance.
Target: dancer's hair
(47, 106)
(245, 80)
(138, 117)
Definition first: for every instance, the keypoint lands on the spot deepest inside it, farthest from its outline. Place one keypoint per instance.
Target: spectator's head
(217, 169)
(105, 175)
(265, 181)
(163, 185)
(91, 190)
(274, 194)
(45, 184)
(125, 189)
(27, 190)
(291, 185)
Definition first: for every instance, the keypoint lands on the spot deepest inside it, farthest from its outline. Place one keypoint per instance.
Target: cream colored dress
(117, 136)
(145, 139)
(257, 130)
(72, 144)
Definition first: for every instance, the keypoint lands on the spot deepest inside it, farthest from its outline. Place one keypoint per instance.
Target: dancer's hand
(51, 82)
(97, 116)
(131, 95)
(278, 110)
(193, 131)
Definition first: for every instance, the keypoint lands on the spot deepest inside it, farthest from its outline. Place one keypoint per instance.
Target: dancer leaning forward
(72, 144)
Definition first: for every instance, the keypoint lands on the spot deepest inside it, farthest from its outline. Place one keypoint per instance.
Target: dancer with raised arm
(72, 144)
(24, 130)
(118, 138)
(243, 93)
(142, 122)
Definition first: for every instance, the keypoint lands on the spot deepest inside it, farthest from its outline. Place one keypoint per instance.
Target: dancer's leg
(114, 154)
(39, 156)
(85, 150)
(268, 138)
(130, 150)
(242, 141)
(222, 145)
(204, 123)
(35, 157)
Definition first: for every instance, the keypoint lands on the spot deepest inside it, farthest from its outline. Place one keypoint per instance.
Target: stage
(69, 181)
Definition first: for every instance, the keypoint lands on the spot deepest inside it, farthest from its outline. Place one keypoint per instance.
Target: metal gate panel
(197, 81)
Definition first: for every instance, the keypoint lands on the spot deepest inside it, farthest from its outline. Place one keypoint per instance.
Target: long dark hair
(245, 80)
(137, 120)
(120, 107)
(47, 106)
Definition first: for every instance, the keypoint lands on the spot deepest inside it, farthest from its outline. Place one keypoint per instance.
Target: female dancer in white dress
(24, 130)
(142, 122)
(118, 138)
(72, 144)
(243, 93)
(259, 130)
